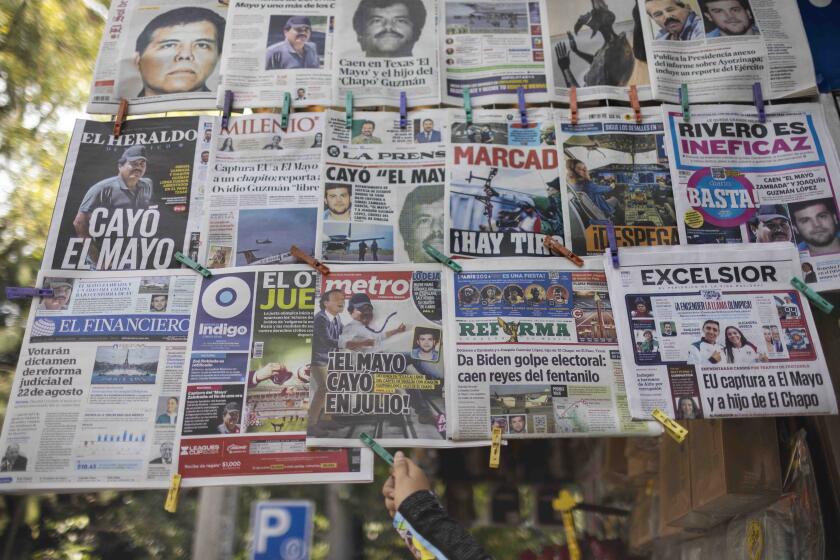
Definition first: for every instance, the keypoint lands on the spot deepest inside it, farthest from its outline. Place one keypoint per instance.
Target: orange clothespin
(311, 261)
(556, 247)
(119, 120)
(634, 102)
(573, 108)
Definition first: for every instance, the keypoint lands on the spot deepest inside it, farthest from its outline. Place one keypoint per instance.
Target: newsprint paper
(423, 126)
(739, 180)
(159, 55)
(719, 331)
(94, 402)
(245, 402)
(535, 353)
(721, 48)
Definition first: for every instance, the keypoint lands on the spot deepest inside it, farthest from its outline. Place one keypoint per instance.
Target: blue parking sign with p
(282, 530)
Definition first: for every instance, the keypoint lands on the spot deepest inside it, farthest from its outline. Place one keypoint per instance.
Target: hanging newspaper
(494, 47)
(503, 188)
(263, 195)
(127, 202)
(378, 358)
(741, 180)
(717, 332)
(382, 204)
(94, 402)
(535, 353)
(384, 48)
(276, 47)
(245, 403)
(597, 47)
(616, 172)
(720, 48)
(424, 126)
(159, 56)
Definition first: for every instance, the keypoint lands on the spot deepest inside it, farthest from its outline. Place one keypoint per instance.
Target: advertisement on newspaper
(159, 56)
(740, 180)
(386, 48)
(616, 172)
(720, 48)
(263, 194)
(245, 404)
(276, 47)
(494, 47)
(382, 204)
(424, 126)
(128, 202)
(713, 332)
(597, 47)
(378, 358)
(504, 186)
(535, 353)
(94, 402)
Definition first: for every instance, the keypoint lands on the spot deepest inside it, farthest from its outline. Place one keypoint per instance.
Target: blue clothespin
(684, 102)
(13, 292)
(189, 263)
(403, 111)
(441, 258)
(523, 112)
(811, 294)
(287, 106)
(348, 109)
(758, 98)
(611, 240)
(226, 108)
(468, 105)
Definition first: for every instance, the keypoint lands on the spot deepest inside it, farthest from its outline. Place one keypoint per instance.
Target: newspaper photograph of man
(519, 402)
(62, 290)
(426, 342)
(13, 460)
(389, 28)
(771, 222)
(338, 202)
(674, 20)
(365, 133)
(295, 42)
(817, 226)
(165, 455)
(421, 222)
(427, 133)
(728, 18)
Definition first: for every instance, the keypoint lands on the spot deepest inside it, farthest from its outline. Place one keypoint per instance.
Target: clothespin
(226, 108)
(495, 447)
(758, 99)
(677, 432)
(378, 449)
(556, 247)
(810, 293)
(684, 102)
(634, 103)
(311, 261)
(348, 109)
(119, 120)
(13, 292)
(403, 111)
(189, 263)
(573, 108)
(523, 112)
(287, 106)
(613, 245)
(441, 258)
(565, 503)
(171, 503)
(468, 105)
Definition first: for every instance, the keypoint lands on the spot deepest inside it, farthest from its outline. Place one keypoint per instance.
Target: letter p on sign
(282, 530)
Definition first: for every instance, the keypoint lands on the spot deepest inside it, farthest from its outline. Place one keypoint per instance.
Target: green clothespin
(188, 262)
(684, 102)
(287, 106)
(348, 109)
(441, 258)
(468, 105)
(811, 294)
(378, 449)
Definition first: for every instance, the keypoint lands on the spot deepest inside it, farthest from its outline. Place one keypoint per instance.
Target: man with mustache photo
(295, 50)
(388, 28)
(421, 221)
(771, 223)
(676, 20)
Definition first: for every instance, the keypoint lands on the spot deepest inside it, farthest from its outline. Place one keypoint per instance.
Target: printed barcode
(258, 349)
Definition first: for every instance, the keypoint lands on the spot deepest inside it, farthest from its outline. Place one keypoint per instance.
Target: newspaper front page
(94, 402)
(504, 186)
(382, 203)
(720, 48)
(278, 46)
(597, 47)
(713, 332)
(245, 403)
(378, 358)
(535, 352)
(616, 172)
(159, 56)
(129, 202)
(739, 180)
(263, 194)
(424, 126)
(384, 48)
(494, 47)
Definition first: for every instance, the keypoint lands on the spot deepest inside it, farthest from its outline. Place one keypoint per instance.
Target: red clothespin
(556, 247)
(573, 108)
(634, 103)
(119, 120)
(311, 261)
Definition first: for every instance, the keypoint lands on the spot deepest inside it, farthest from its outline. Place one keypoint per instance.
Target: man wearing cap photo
(128, 189)
(62, 289)
(295, 50)
(230, 418)
(771, 223)
(358, 330)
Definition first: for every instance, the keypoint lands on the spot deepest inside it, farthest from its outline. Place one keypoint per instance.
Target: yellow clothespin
(565, 503)
(677, 432)
(495, 447)
(171, 504)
